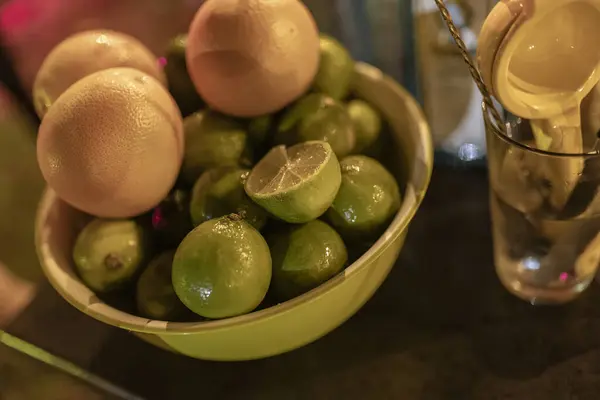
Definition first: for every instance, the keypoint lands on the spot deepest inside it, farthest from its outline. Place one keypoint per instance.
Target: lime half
(222, 268)
(304, 257)
(296, 184)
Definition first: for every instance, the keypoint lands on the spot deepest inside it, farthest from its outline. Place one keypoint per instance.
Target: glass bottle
(450, 97)
(377, 32)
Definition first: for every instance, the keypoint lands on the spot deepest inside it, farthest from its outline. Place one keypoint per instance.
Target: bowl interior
(58, 223)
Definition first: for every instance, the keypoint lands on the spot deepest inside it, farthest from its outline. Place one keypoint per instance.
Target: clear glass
(28, 372)
(543, 253)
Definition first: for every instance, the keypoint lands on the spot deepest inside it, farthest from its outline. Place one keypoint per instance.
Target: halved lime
(155, 296)
(367, 124)
(219, 192)
(336, 69)
(213, 140)
(368, 197)
(180, 84)
(318, 117)
(109, 253)
(296, 184)
(304, 257)
(222, 268)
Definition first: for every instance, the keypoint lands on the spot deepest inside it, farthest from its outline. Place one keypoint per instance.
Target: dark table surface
(441, 327)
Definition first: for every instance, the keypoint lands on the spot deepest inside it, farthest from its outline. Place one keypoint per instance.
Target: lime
(367, 124)
(180, 84)
(297, 184)
(318, 117)
(219, 192)
(304, 257)
(336, 69)
(155, 295)
(212, 140)
(259, 129)
(368, 197)
(222, 268)
(171, 220)
(109, 253)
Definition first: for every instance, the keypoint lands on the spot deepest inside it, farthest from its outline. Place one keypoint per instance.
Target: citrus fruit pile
(233, 178)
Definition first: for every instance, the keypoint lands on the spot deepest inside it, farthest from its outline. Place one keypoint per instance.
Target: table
(441, 327)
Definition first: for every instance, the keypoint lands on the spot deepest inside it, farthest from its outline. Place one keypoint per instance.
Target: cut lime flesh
(296, 184)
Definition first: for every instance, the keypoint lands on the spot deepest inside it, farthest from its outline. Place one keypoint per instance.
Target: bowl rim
(412, 199)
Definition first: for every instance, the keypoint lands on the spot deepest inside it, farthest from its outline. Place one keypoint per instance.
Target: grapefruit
(112, 144)
(252, 57)
(85, 53)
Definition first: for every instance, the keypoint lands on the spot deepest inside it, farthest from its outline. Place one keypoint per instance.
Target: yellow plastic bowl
(286, 326)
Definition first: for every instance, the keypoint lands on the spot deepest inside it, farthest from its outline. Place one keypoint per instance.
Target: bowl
(288, 325)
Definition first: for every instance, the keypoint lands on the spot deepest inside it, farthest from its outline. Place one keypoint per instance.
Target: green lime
(304, 257)
(155, 295)
(368, 197)
(296, 184)
(222, 268)
(367, 124)
(180, 84)
(219, 192)
(213, 140)
(259, 129)
(318, 117)
(336, 69)
(109, 253)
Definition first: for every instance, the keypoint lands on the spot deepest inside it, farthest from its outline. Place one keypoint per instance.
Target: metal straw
(487, 98)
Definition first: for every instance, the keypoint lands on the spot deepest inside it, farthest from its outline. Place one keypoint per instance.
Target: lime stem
(112, 262)
(235, 217)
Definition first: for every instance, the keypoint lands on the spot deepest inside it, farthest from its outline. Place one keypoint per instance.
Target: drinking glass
(28, 372)
(545, 251)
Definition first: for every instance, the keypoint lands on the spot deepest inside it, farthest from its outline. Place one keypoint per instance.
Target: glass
(451, 100)
(27, 372)
(543, 253)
